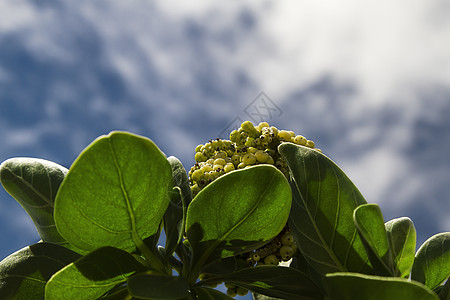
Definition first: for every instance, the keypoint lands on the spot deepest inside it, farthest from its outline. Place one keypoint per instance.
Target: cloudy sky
(368, 81)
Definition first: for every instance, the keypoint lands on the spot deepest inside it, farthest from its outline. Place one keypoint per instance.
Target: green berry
(234, 136)
(236, 159)
(206, 168)
(283, 134)
(232, 292)
(287, 239)
(249, 142)
(229, 285)
(286, 253)
(241, 291)
(199, 157)
(220, 154)
(310, 144)
(220, 161)
(261, 156)
(218, 167)
(241, 165)
(300, 140)
(249, 159)
(248, 127)
(252, 150)
(198, 148)
(228, 167)
(197, 175)
(271, 260)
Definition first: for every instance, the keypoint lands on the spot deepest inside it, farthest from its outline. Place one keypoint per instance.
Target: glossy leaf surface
(23, 274)
(401, 235)
(238, 212)
(115, 193)
(370, 225)
(274, 281)
(34, 183)
(354, 286)
(147, 286)
(92, 275)
(322, 212)
(432, 262)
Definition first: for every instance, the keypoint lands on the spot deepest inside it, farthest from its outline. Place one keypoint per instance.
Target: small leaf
(238, 212)
(204, 293)
(274, 281)
(402, 242)
(432, 263)
(354, 286)
(92, 275)
(115, 193)
(370, 225)
(322, 212)
(180, 179)
(174, 220)
(148, 286)
(444, 293)
(34, 183)
(23, 274)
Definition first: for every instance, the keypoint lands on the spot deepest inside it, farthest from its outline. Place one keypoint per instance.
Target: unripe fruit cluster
(249, 145)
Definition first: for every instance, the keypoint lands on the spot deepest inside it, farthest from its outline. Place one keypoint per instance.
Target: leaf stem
(150, 256)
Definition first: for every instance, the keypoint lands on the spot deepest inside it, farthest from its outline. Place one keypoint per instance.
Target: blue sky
(368, 81)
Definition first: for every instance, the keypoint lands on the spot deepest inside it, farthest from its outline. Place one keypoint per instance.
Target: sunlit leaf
(322, 212)
(115, 193)
(432, 262)
(92, 275)
(402, 242)
(238, 212)
(23, 274)
(370, 225)
(34, 183)
(354, 286)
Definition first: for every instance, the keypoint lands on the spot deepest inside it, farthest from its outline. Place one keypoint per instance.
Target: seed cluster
(249, 145)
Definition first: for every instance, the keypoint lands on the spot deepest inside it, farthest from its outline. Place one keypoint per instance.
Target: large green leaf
(34, 183)
(354, 286)
(238, 212)
(370, 225)
(322, 212)
(204, 293)
(274, 281)
(402, 242)
(150, 286)
(92, 275)
(432, 262)
(23, 274)
(115, 193)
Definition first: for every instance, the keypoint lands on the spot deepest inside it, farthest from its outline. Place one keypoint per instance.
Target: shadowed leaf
(354, 286)
(432, 263)
(23, 274)
(34, 183)
(402, 242)
(322, 212)
(147, 286)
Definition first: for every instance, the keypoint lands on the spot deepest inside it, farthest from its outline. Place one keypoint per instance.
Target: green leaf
(149, 286)
(180, 197)
(23, 274)
(34, 183)
(354, 286)
(180, 179)
(444, 293)
(370, 225)
(432, 263)
(204, 293)
(92, 275)
(321, 217)
(174, 221)
(273, 281)
(402, 242)
(238, 212)
(115, 193)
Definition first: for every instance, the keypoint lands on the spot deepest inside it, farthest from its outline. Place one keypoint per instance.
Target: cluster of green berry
(249, 145)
